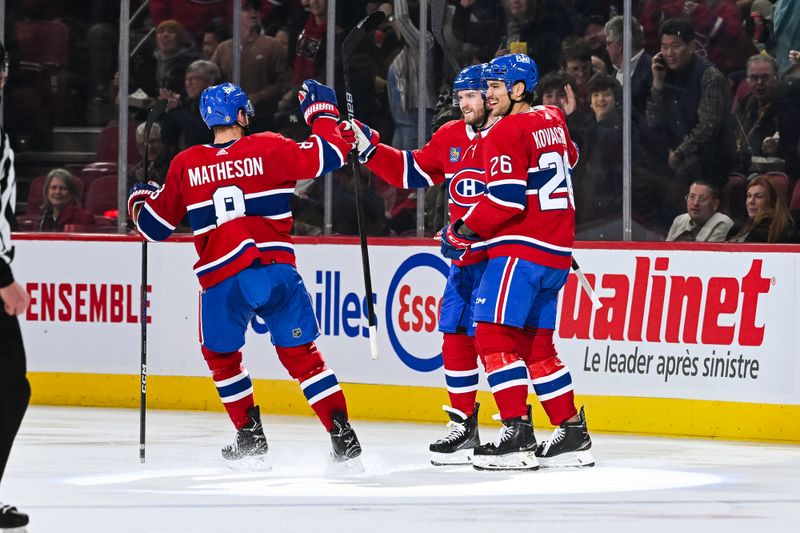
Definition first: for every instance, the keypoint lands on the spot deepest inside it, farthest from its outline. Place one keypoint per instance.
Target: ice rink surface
(77, 470)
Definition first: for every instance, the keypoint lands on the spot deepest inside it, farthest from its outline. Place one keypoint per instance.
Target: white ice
(78, 470)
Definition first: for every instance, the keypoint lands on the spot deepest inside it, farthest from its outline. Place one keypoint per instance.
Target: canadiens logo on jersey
(455, 154)
(466, 186)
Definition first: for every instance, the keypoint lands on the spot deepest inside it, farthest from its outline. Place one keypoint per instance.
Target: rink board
(690, 340)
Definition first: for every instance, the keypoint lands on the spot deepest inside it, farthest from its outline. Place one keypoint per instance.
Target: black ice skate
(11, 518)
(344, 440)
(250, 445)
(456, 447)
(514, 448)
(567, 446)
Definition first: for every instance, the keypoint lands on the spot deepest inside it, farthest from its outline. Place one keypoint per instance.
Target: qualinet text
(225, 170)
(656, 307)
(85, 302)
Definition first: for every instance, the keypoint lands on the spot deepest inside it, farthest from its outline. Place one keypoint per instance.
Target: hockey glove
(317, 100)
(366, 140)
(137, 195)
(454, 243)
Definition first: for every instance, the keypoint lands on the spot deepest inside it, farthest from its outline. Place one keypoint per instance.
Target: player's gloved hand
(454, 243)
(366, 140)
(317, 100)
(137, 196)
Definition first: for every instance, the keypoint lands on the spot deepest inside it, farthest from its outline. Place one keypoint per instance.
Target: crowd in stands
(715, 94)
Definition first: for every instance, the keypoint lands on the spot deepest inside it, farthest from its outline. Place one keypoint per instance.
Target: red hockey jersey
(453, 155)
(528, 210)
(238, 197)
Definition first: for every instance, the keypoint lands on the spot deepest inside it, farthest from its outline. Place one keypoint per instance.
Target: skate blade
(568, 460)
(350, 467)
(260, 463)
(509, 461)
(460, 457)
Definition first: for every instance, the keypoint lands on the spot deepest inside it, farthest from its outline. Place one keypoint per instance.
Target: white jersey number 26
(558, 162)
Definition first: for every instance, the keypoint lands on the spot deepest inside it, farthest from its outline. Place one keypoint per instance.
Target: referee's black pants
(14, 388)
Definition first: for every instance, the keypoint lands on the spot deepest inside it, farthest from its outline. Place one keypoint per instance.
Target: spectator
(167, 67)
(61, 206)
(598, 174)
(768, 216)
(535, 27)
(263, 72)
(716, 24)
(310, 42)
(182, 126)
(757, 114)
(786, 20)
(702, 222)
(212, 37)
(194, 15)
(641, 61)
(157, 158)
(688, 110)
(576, 60)
(786, 143)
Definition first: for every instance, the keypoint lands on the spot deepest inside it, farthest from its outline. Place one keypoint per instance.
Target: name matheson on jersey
(656, 307)
(226, 170)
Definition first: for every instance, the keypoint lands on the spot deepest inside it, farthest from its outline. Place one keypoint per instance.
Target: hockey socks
(550, 377)
(233, 384)
(499, 347)
(460, 371)
(319, 384)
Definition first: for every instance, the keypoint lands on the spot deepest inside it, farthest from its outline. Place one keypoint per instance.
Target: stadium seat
(102, 195)
(43, 42)
(108, 144)
(780, 180)
(732, 197)
(92, 171)
(795, 202)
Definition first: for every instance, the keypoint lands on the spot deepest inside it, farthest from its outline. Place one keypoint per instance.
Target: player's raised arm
(156, 211)
(322, 152)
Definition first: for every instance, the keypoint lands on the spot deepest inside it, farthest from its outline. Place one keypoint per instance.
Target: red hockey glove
(137, 196)
(317, 100)
(454, 243)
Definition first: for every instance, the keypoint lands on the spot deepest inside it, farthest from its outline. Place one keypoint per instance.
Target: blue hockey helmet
(219, 104)
(513, 68)
(468, 79)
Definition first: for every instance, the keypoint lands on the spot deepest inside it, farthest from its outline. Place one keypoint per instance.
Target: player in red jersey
(237, 193)
(452, 156)
(526, 223)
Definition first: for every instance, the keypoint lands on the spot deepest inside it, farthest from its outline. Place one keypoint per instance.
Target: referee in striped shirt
(14, 388)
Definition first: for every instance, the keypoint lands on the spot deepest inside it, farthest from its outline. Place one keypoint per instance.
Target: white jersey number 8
(228, 203)
(558, 162)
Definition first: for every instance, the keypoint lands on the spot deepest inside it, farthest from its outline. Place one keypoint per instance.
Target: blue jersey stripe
(414, 179)
(235, 388)
(554, 385)
(269, 205)
(457, 382)
(204, 271)
(322, 385)
(202, 217)
(151, 227)
(509, 241)
(331, 159)
(509, 192)
(506, 375)
(537, 179)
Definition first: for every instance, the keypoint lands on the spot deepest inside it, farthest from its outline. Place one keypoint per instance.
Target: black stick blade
(360, 31)
(158, 108)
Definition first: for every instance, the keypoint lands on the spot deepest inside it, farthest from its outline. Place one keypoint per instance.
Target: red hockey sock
(320, 386)
(499, 347)
(550, 377)
(460, 371)
(233, 384)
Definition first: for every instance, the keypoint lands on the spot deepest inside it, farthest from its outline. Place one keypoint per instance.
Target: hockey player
(526, 222)
(452, 156)
(237, 194)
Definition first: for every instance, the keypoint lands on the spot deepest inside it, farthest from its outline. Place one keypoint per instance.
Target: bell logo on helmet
(228, 88)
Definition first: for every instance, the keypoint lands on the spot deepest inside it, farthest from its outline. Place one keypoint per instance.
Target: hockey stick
(585, 284)
(438, 8)
(351, 42)
(158, 107)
